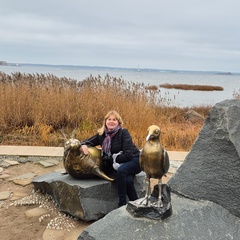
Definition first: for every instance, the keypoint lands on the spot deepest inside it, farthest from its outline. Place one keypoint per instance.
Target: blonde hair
(116, 115)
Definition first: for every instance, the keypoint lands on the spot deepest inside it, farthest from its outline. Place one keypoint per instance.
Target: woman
(118, 154)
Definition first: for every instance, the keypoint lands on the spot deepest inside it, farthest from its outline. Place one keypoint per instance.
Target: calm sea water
(180, 98)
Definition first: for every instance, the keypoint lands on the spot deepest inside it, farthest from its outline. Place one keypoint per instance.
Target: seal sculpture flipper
(96, 171)
(79, 165)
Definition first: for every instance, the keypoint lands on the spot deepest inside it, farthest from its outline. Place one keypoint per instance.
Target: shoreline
(157, 77)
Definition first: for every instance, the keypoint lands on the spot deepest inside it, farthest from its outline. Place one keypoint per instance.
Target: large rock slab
(199, 220)
(211, 170)
(86, 199)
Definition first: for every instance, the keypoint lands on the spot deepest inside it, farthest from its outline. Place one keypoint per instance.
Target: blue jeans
(125, 180)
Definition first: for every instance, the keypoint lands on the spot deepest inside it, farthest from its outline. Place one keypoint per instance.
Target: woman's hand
(84, 149)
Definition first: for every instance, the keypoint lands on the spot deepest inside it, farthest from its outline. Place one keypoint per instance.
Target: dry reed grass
(35, 107)
(192, 87)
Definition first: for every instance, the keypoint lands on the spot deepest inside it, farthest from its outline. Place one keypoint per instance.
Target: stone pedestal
(86, 199)
(199, 220)
(152, 211)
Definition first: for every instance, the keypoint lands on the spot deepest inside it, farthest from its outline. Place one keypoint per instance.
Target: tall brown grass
(35, 107)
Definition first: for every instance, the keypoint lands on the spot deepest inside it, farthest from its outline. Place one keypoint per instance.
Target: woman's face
(111, 122)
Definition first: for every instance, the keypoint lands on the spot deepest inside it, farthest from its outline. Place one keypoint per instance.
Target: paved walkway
(58, 152)
(31, 151)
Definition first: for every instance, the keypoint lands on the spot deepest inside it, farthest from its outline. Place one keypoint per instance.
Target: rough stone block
(86, 199)
(211, 169)
(199, 220)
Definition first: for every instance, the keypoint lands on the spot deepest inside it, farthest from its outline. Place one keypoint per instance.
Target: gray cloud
(192, 35)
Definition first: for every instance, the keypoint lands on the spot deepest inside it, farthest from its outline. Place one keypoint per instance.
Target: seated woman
(120, 155)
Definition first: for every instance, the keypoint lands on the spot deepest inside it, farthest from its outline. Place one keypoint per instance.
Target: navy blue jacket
(122, 141)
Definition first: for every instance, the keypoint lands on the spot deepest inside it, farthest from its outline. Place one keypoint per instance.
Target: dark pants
(125, 180)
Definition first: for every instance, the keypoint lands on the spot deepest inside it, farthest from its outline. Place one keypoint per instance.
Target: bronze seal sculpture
(79, 165)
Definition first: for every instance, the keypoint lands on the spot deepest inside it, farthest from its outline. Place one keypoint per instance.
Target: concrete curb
(6, 150)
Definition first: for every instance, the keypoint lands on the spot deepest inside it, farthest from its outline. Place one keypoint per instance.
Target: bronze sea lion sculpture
(154, 161)
(79, 165)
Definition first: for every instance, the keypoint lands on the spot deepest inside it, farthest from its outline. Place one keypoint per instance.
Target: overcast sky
(162, 34)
